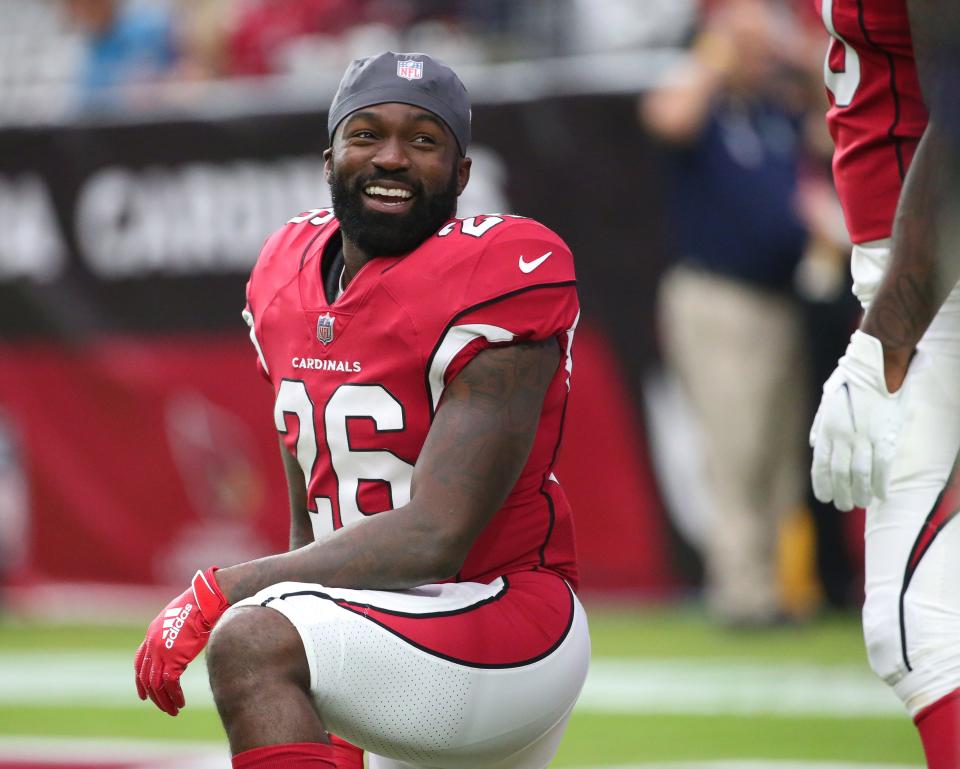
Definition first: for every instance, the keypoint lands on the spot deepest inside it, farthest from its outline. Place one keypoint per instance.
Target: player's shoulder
(485, 230)
(517, 268)
(504, 250)
(286, 244)
(284, 251)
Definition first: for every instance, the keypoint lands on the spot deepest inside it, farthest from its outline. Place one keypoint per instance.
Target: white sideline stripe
(689, 687)
(212, 755)
(735, 687)
(101, 678)
(94, 751)
(753, 764)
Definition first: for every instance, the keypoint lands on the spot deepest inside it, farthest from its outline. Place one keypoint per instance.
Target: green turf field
(665, 686)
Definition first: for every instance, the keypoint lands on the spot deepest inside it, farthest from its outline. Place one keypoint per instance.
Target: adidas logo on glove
(173, 622)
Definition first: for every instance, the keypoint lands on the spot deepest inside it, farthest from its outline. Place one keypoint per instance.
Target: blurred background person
(125, 44)
(265, 30)
(200, 29)
(731, 328)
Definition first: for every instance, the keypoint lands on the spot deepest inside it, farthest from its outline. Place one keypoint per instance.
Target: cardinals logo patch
(325, 328)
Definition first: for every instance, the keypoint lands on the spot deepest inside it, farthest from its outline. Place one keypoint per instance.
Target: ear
(463, 174)
(327, 163)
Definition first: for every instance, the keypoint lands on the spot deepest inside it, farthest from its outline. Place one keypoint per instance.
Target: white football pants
(439, 675)
(911, 618)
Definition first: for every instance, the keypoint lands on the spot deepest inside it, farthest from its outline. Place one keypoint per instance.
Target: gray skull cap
(407, 78)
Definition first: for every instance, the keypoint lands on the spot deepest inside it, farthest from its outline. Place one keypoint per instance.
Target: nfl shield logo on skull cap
(410, 69)
(325, 328)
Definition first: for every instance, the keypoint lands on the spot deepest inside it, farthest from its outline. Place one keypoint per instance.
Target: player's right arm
(923, 267)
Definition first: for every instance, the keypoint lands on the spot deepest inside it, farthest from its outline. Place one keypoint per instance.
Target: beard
(379, 234)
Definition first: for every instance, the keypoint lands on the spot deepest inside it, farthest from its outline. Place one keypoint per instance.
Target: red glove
(175, 638)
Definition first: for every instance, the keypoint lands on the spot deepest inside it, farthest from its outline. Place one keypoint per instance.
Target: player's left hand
(855, 432)
(174, 638)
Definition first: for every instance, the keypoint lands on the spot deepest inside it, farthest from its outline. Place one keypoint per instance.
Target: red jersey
(358, 381)
(876, 114)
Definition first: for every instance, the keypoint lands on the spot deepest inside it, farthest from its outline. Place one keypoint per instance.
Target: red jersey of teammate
(358, 381)
(877, 114)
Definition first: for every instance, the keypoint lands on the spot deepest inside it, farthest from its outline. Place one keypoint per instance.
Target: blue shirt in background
(138, 46)
(733, 197)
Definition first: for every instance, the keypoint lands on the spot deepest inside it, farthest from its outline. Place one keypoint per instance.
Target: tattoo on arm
(900, 319)
(922, 269)
(485, 426)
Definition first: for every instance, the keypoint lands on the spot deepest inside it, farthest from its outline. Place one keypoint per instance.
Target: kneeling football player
(426, 611)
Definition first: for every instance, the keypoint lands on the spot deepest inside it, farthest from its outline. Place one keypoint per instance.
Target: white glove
(854, 434)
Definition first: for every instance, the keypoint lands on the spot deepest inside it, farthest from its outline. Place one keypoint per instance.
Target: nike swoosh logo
(528, 267)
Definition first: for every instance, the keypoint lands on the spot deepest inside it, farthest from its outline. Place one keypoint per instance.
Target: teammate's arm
(923, 269)
(856, 430)
(476, 448)
(301, 532)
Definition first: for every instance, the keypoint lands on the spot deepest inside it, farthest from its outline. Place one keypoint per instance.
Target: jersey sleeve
(251, 321)
(521, 287)
(256, 300)
(276, 266)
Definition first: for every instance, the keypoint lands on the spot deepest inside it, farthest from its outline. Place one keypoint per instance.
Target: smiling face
(395, 172)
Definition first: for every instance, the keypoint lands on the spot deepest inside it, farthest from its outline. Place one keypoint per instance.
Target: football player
(421, 364)
(887, 431)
